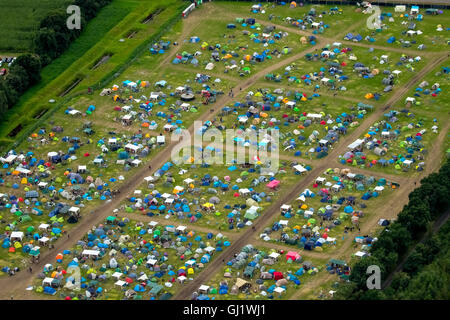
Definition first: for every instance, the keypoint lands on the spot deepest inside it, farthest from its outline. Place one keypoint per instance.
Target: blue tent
(391, 40)
(348, 209)
(49, 290)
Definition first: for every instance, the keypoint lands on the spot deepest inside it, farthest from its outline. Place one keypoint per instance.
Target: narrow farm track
(15, 286)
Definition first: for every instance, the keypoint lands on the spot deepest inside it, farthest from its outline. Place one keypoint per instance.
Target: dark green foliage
(17, 78)
(32, 65)
(425, 271)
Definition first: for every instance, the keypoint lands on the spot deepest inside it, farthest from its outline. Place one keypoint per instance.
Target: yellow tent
(304, 206)
(24, 181)
(368, 96)
(303, 98)
(190, 271)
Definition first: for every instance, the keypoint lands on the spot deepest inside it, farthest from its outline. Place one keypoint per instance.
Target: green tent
(251, 215)
(111, 219)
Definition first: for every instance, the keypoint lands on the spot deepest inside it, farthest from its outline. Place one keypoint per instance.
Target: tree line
(426, 204)
(50, 40)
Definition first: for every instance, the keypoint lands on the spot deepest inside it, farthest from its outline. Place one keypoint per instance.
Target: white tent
(16, 235)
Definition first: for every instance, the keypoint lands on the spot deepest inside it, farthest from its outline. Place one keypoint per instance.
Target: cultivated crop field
(17, 27)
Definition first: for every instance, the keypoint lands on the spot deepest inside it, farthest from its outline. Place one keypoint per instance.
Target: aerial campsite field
(95, 206)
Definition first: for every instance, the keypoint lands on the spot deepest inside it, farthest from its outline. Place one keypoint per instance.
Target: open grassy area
(218, 197)
(433, 39)
(302, 125)
(407, 130)
(128, 250)
(254, 282)
(235, 47)
(334, 70)
(432, 100)
(319, 222)
(277, 13)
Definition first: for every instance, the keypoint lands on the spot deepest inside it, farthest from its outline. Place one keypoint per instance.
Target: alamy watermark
(74, 20)
(374, 280)
(374, 21)
(239, 146)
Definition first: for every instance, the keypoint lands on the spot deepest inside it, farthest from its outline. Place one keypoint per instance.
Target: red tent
(277, 275)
